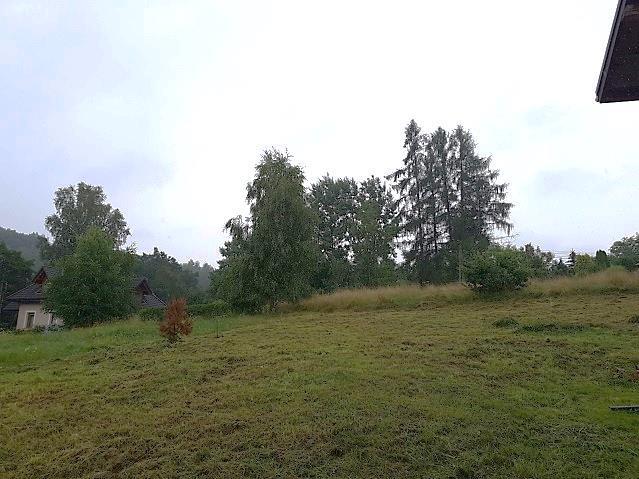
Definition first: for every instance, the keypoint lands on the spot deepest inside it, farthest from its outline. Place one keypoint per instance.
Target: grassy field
(518, 388)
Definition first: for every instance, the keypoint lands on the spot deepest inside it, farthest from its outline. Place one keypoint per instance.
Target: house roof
(31, 293)
(619, 78)
(12, 306)
(152, 301)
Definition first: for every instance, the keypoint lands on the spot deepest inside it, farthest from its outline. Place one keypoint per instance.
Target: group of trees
(341, 233)
(87, 246)
(450, 202)
(15, 271)
(441, 208)
(356, 226)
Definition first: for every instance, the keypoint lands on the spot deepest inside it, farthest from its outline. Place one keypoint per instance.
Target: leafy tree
(497, 270)
(79, 208)
(559, 268)
(168, 278)
(625, 252)
(235, 281)
(541, 262)
(93, 284)
(15, 271)
(271, 257)
(374, 233)
(586, 264)
(334, 203)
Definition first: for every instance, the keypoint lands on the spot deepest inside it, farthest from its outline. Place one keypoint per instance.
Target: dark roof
(619, 78)
(141, 285)
(12, 306)
(152, 301)
(44, 274)
(32, 293)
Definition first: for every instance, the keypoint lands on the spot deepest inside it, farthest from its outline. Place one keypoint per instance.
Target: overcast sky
(169, 104)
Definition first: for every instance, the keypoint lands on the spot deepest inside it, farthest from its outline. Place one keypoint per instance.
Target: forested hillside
(27, 244)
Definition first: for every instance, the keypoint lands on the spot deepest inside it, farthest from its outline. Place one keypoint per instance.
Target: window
(30, 319)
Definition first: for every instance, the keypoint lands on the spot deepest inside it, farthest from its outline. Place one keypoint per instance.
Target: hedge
(215, 308)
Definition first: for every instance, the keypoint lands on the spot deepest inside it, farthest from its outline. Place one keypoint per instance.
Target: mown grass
(413, 296)
(438, 392)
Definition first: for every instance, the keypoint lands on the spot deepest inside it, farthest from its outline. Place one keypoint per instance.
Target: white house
(28, 301)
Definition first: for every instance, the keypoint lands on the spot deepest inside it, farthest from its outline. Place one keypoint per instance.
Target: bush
(497, 270)
(93, 284)
(176, 322)
(215, 308)
(151, 314)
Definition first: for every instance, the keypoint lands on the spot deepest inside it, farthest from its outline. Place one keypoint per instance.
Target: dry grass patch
(414, 296)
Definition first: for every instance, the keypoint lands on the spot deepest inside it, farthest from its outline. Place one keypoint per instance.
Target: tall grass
(414, 296)
(389, 297)
(612, 280)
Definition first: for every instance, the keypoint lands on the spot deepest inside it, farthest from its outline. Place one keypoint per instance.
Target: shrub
(176, 322)
(496, 270)
(215, 308)
(586, 264)
(151, 314)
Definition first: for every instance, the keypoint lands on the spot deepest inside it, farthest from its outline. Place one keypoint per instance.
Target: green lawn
(440, 392)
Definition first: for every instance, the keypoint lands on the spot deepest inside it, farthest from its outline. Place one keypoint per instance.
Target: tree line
(442, 203)
(422, 223)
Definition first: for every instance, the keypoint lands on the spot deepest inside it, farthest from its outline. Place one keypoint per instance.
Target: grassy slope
(433, 392)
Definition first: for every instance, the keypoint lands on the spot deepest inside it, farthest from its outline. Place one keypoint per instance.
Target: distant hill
(27, 244)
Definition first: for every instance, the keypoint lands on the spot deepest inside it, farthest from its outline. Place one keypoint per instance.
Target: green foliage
(334, 204)
(271, 257)
(497, 270)
(78, 209)
(15, 271)
(212, 309)
(373, 235)
(26, 244)
(559, 268)
(151, 314)
(540, 262)
(449, 201)
(167, 277)
(586, 264)
(93, 284)
(356, 230)
(601, 258)
(625, 252)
